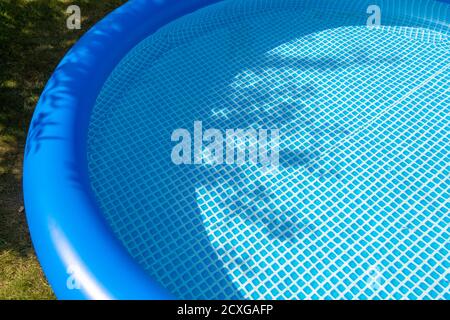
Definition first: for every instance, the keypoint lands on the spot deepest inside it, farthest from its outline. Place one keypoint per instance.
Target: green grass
(33, 39)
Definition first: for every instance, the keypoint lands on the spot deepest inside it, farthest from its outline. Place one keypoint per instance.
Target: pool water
(358, 207)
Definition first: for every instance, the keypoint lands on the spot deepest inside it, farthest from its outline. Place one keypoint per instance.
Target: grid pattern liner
(358, 208)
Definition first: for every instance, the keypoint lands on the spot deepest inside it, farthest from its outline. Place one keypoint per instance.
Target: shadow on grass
(33, 39)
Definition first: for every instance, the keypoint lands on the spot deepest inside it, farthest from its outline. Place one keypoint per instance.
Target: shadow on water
(156, 213)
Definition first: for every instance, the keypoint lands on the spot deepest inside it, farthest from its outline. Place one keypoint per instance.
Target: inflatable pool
(258, 149)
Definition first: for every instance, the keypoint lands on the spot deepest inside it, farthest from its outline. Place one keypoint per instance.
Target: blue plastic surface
(69, 233)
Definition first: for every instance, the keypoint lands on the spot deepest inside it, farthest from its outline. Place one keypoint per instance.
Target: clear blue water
(358, 208)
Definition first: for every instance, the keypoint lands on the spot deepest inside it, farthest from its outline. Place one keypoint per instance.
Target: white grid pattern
(359, 207)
